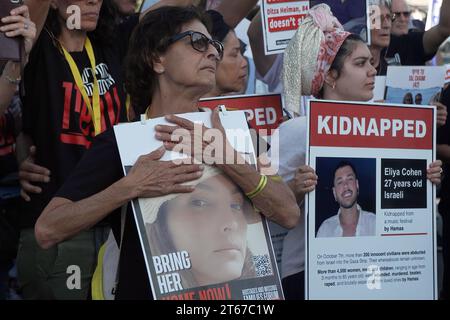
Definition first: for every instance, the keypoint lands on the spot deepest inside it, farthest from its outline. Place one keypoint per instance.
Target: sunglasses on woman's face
(405, 14)
(199, 42)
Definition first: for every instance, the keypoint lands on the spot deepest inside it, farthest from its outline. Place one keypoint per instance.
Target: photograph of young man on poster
(211, 227)
(351, 220)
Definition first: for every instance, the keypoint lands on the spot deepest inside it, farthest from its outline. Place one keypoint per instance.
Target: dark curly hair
(103, 34)
(148, 41)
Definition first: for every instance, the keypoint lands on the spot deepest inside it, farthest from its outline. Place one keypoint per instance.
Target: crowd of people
(58, 147)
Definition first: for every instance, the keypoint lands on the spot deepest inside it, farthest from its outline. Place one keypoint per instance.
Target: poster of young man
(209, 244)
(419, 85)
(371, 230)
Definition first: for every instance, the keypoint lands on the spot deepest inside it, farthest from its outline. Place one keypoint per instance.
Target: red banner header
(279, 1)
(263, 112)
(370, 126)
(285, 23)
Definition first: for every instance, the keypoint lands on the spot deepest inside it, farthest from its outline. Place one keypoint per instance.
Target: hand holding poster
(371, 220)
(209, 244)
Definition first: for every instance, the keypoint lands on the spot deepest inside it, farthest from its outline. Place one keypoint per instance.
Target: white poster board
(371, 160)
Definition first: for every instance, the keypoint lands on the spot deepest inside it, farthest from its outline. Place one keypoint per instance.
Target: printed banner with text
(209, 244)
(264, 112)
(280, 21)
(371, 230)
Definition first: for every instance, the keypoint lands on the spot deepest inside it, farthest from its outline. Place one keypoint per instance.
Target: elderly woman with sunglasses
(167, 72)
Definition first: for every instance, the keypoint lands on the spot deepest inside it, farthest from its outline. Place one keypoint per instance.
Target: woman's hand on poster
(19, 24)
(434, 172)
(194, 139)
(151, 177)
(305, 181)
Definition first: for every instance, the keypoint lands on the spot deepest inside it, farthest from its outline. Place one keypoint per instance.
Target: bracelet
(11, 80)
(276, 178)
(259, 188)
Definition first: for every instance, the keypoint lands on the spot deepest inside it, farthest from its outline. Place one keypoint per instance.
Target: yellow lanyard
(95, 110)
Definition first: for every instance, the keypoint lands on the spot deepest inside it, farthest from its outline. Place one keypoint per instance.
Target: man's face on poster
(345, 187)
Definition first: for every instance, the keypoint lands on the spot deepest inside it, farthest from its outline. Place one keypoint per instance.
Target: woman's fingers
(309, 189)
(434, 179)
(12, 19)
(24, 195)
(166, 129)
(29, 166)
(184, 123)
(309, 183)
(185, 168)
(178, 188)
(163, 136)
(22, 10)
(215, 119)
(186, 177)
(13, 27)
(29, 188)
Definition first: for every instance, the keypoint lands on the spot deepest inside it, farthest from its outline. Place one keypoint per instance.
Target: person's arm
(263, 63)
(434, 37)
(63, 218)
(149, 177)
(233, 11)
(443, 152)
(276, 201)
(8, 87)
(38, 13)
(10, 77)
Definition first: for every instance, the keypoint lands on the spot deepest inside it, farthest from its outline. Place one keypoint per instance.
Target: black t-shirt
(8, 131)
(405, 50)
(55, 115)
(443, 137)
(99, 168)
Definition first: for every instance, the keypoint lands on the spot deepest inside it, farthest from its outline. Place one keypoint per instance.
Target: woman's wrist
(11, 73)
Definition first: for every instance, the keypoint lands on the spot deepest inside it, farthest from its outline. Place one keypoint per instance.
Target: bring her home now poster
(371, 231)
(209, 244)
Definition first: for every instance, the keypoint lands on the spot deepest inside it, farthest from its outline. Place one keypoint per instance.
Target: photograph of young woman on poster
(212, 224)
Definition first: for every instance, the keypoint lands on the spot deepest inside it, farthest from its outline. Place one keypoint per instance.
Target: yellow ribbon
(95, 109)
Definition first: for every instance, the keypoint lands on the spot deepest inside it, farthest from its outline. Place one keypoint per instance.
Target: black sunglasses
(199, 41)
(406, 14)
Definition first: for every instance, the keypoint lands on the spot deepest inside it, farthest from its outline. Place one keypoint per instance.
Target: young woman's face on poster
(210, 225)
